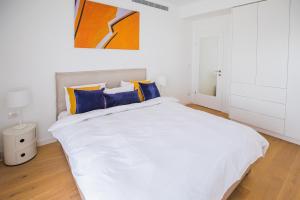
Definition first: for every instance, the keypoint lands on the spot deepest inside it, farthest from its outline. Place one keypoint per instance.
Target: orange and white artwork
(105, 27)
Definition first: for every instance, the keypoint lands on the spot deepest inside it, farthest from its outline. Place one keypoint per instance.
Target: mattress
(158, 149)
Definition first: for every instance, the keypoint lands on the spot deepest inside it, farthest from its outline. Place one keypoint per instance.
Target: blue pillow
(149, 90)
(89, 100)
(122, 98)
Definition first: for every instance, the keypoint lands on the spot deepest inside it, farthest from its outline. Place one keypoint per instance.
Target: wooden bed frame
(113, 79)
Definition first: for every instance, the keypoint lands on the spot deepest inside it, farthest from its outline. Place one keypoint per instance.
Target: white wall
(37, 41)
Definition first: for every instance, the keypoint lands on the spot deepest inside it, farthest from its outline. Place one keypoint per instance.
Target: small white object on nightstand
(19, 144)
(18, 99)
(161, 83)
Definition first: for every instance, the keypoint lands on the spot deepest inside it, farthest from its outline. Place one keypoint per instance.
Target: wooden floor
(47, 176)
(214, 112)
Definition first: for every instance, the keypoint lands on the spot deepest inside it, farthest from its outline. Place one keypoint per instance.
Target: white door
(207, 69)
(244, 47)
(273, 43)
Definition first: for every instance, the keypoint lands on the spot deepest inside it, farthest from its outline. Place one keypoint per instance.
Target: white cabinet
(19, 144)
(293, 91)
(269, 94)
(273, 42)
(265, 88)
(244, 44)
(257, 120)
(260, 64)
(266, 108)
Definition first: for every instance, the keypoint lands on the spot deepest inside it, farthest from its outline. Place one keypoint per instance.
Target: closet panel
(293, 91)
(261, 107)
(276, 95)
(258, 120)
(244, 44)
(272, 45)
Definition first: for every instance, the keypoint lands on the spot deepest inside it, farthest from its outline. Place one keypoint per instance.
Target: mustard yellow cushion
(72, 97)
(138, 88)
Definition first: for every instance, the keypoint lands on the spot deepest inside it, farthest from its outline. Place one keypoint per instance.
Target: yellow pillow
(72, 97)
(138, 88)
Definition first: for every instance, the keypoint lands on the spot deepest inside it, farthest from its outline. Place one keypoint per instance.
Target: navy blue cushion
(89, 100)
(149, 90)
(122, 98)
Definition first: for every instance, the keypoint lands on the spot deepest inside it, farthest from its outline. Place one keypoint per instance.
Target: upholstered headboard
(111, 77)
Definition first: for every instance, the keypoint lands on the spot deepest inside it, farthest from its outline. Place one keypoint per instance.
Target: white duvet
(156, 150)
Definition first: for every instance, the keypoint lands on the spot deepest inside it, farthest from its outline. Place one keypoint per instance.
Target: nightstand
(19, 144)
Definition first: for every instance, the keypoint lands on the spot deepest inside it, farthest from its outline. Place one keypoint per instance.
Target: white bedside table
(19, 144)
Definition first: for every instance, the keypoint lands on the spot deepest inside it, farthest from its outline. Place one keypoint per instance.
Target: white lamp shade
(18, 98)
(162, 81)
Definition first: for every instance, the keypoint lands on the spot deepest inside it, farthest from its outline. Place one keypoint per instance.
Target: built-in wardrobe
(265, 72)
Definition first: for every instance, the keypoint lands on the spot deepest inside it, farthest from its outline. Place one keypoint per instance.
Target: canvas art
(103, 26)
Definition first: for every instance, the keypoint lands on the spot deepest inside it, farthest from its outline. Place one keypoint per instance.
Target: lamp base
(20, 126)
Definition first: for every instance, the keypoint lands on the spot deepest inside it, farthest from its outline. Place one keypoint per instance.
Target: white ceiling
(182, 2)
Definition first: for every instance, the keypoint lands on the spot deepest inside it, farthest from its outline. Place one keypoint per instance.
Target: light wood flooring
(47, 176)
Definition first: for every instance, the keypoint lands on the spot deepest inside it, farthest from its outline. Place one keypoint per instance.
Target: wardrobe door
(259, 71)
(244, 44)
(273, 39)
(293, 90)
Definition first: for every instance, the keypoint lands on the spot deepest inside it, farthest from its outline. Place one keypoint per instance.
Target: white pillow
(125, 83)
(67, 98)
(126, 88)
(63, 115)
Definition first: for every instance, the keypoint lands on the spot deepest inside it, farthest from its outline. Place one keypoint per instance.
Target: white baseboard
(273, 134)
(46, 141)
(277, 135)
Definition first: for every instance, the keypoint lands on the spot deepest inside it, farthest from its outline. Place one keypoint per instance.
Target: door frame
(225, 33)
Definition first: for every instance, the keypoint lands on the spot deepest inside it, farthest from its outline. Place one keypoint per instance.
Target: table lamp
(162, 83)
(18, 99)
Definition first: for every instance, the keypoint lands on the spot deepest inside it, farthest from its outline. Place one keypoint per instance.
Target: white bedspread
(156, 150)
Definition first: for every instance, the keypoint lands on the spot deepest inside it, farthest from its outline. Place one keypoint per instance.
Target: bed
(157, 149)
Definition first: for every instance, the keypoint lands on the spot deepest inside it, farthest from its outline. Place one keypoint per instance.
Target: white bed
(156, 150)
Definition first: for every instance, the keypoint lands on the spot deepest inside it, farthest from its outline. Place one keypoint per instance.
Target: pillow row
(80, 99)
(70, 96)
(92, 100)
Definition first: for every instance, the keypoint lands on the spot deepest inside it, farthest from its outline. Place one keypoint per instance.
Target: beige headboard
(111, 77)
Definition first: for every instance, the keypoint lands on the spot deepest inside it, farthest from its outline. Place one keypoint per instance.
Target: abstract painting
(103, 26)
